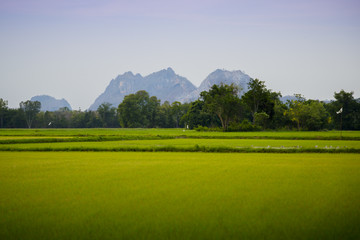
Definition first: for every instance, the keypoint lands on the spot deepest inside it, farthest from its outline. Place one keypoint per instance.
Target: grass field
(179, 132)
(186, 145)
(176, 140)
(179, 196)
(184, 191)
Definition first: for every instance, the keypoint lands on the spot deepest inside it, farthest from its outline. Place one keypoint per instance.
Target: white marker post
(340, 112)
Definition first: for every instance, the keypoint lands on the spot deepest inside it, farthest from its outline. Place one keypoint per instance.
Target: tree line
(222, 108)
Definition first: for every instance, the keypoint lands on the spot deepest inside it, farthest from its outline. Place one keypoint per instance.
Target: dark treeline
(220, 108)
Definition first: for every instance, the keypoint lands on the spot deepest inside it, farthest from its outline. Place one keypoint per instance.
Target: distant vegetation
(219, 109)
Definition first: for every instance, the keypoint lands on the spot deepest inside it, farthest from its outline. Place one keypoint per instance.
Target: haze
(72, 49)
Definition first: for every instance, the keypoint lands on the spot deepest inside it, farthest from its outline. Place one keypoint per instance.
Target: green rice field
(88, 184)
(178, 133)
(187, 145)
(176, 140)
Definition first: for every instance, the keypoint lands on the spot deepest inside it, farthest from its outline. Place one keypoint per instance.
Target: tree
(261, 119)
(30, 109)
(164, 118)
(177, 111)
(3, 109)
(223, 101)
(308, 115)
(351, 111)
(197, 116)
(279, 119)
(295, 109)
(153, 111)
(259, 99)
(107, 115)
(134, 110)
(316, 116)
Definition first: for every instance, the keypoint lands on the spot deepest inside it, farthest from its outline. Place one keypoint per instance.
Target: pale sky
(73, 48)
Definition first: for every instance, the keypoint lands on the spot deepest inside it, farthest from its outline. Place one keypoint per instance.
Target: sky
(72, 49)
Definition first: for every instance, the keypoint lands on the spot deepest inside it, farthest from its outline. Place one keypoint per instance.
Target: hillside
(51, 104)
(166, 85)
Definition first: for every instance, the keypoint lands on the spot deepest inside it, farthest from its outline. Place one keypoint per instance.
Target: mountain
(217, 77)
(166, 85)
(286, 98)
(51, 104)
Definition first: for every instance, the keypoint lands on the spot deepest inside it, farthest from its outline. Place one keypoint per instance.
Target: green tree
(14, 118)
(223, 101)
(261, 119)
(107, 115)
(316, 115)
(260, 99)
(30, 109)
(295, 110)
(3, 110)
(197, 116)
(134, 110)
(279, 119)
(62, 118)
(350, 111)
(177, 111)
(308, 115)
(153, 112)
(164, 118)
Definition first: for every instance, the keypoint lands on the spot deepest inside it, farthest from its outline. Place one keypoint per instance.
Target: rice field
(47, 195)
(179, 133)
(176, 140)
(66, 184)
(186, 144)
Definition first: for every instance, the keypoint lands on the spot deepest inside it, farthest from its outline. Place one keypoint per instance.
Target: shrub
(244, 126)
(207, 129)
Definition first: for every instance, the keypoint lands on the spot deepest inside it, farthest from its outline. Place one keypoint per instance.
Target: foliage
(308, 115)
(133, 110)
(206, 129)
(261, 119)
(244, 126)
(218, 107)
(349, 119)
(3, 109)
(107, 115)
(30, 109)
(140, 110)
(259, 99)
(280, 120)
(197, 116)
(223, 101)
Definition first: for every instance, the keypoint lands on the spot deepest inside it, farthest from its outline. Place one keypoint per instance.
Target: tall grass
(190, 145)
(179, 196)
(349, 135)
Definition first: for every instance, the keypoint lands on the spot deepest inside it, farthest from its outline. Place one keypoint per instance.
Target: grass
(205, 145)
(176, 140)
(172, 133)
(179, 196)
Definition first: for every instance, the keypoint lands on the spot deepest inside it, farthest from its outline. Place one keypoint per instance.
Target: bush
(206, 129)
(244, 126)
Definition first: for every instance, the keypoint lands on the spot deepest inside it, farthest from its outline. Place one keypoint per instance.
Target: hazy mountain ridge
(217, 77)
(51, 104)
(166, 85)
